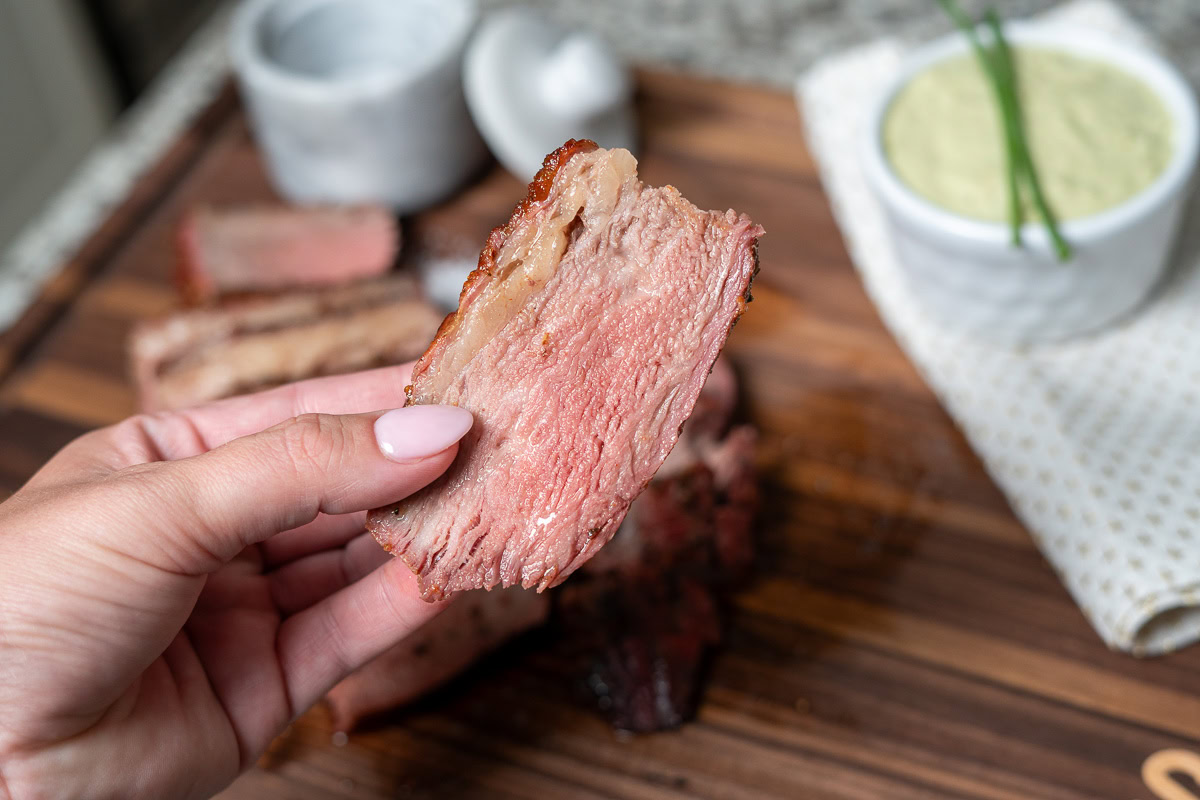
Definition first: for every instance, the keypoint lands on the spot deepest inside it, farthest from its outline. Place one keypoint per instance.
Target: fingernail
(416, 432)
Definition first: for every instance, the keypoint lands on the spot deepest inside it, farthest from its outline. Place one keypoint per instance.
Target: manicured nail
(416, 432)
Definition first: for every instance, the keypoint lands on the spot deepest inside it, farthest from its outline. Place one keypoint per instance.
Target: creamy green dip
(1097, 134)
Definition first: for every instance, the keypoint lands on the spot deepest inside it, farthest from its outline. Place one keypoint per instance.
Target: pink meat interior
(581, 352)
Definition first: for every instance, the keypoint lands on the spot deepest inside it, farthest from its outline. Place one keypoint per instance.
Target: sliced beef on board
(268, 248)
(697, 516)
(474, 624)
(205, 354)
(643, 654)
(580, 344)
(648, 610)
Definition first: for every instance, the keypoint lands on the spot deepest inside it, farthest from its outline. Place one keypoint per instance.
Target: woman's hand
(157, 629)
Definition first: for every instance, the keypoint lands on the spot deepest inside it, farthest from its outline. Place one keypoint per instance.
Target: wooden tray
(904, 639)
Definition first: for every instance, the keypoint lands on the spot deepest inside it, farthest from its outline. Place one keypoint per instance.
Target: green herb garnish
(1000, 70)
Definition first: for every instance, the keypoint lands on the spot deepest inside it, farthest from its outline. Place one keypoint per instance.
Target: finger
(149, 536)
(209, 507)
(189, 432)
(326, 532)
(323, 644)
(303, 583)
(173, 435)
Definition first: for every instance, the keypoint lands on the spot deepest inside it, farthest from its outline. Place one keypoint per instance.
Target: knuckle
(314, 440)
(128, 438)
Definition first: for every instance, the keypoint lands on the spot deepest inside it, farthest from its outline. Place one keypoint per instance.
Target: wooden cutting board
(903, 639)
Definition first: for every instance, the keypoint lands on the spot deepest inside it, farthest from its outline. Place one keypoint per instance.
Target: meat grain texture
(581, 344)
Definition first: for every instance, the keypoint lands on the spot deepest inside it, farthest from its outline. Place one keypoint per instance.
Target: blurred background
(68, 68)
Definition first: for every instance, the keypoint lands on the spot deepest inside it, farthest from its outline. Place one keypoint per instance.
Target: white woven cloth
(1096, 443)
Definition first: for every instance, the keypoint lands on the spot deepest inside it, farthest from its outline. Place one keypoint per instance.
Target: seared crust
(747, 298)
(539, 190)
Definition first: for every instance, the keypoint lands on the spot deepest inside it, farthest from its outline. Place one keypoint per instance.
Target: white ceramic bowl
(966, 273)
(359, 101)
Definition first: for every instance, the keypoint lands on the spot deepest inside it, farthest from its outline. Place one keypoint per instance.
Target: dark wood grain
(904, 638)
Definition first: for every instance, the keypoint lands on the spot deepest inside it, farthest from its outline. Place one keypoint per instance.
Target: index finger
(191, 431)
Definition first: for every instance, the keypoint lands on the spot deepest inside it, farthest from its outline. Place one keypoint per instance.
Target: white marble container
(359, 101)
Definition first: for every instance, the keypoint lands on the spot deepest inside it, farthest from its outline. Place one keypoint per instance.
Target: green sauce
(1097, 135)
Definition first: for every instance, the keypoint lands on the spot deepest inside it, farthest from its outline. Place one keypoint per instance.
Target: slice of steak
(674, 515)
(472, 626)
(697, 519)
(206, 354)
(580, 344)
(266, 248)
(648, 612)
(644, 649)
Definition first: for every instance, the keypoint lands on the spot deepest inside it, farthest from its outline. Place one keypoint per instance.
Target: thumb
(248, 490)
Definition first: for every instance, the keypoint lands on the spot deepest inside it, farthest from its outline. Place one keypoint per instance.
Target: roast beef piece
(580, 344)
(697, 518)
(644, 648)
(205, 354)
(648, 611)
(705, 495)
(263, 248)
(472, 625)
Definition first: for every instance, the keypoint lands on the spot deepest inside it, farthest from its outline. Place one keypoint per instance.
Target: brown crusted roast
(580, 344)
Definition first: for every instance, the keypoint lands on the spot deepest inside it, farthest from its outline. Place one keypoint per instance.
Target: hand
(157, 629)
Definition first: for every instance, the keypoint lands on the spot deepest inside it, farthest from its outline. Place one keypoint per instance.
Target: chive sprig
(1000, 70)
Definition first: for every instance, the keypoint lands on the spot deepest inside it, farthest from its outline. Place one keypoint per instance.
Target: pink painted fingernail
(416, 432)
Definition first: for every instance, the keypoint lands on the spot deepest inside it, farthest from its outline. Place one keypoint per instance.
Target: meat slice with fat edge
(580, 344)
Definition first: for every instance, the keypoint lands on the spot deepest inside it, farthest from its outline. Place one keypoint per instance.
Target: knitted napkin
(1095, 442)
